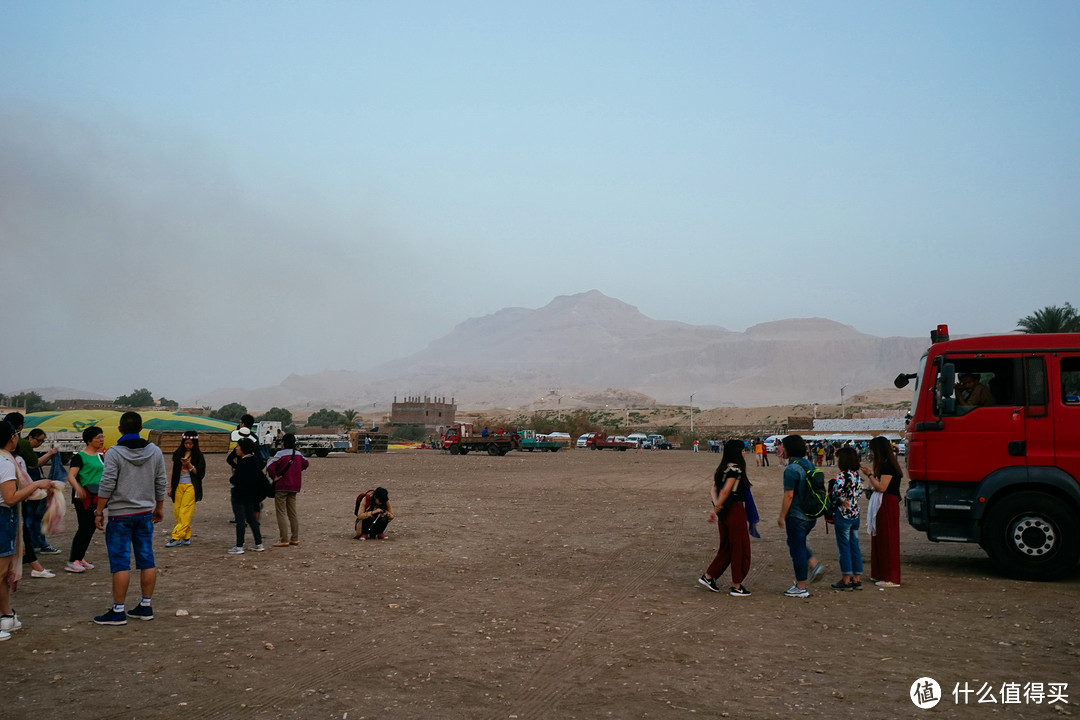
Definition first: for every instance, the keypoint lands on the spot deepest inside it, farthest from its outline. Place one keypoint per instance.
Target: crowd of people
(127, 511)
(734, 512)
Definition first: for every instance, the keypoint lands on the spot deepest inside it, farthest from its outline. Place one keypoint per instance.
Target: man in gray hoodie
(133, 487)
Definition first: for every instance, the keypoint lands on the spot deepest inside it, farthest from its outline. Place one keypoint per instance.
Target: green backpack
(815, 500)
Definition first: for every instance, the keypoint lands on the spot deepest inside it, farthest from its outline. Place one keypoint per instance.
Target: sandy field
(534, 585)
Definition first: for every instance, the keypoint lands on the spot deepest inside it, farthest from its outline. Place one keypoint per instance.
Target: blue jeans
(797, 530)
(33, 512)
(847, 545)
(126, 533)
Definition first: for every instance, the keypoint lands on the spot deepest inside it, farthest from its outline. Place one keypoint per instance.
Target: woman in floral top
(846, 489)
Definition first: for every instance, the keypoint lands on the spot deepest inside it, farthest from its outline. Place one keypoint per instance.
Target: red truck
(460, 439)
(599, 441)
(994, 449)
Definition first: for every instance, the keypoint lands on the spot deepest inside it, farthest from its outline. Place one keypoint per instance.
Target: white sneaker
(43, 573)
(235, 550)
(4, 635)
(256, 548)
(10, 622)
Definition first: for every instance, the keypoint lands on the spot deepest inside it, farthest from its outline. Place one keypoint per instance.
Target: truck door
(1065, 406)
(1038, 420)
(977, 439)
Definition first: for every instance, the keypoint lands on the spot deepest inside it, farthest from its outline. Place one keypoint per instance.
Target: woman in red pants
(883, 513)
(730, 486)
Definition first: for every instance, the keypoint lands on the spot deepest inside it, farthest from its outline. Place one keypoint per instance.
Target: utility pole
(842, 401)
(692, 412)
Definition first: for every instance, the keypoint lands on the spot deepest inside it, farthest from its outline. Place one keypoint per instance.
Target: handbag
(271, 484)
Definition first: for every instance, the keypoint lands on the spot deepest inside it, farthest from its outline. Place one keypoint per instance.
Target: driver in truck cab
(973, 393)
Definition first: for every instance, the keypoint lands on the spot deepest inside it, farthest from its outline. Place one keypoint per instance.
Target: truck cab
(993, 449)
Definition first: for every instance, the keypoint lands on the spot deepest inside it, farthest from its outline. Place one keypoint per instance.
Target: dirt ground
(533, 585)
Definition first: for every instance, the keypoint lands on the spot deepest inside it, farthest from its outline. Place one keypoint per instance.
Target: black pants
(373, 525)
(244, 512)
(85, 533)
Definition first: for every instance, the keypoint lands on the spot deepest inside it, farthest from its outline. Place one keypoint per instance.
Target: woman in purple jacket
(285, 470)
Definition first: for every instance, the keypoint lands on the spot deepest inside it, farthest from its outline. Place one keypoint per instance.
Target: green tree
(350, 418)
(166, 402)
(1051, 319)
(325, 418)
(29, 400)
(229, 413)
(281, 415)
(138, 398)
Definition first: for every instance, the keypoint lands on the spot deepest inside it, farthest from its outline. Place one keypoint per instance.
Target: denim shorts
(9, 531)
(126, 533)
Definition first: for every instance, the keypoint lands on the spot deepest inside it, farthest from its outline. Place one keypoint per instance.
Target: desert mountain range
(590, 350)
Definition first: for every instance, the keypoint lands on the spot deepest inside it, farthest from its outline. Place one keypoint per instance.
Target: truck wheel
(322, 453)
(455, 449)
(1032, 536)
(493, 450)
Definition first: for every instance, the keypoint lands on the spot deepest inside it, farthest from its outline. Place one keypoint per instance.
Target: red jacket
(290, 474)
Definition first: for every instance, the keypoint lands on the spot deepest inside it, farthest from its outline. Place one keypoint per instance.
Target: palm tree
(1051, 319)
(350, 418)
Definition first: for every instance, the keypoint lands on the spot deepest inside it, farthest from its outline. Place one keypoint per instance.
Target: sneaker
(841, 585)
(856, 585)
(74, 567)
(815, 572)
(86, 564)
(47, 549)
(4, 635)
(42, 573)
(235, 550)
(739, 592)
(886, 584)
(381, 536)
(256, 548)
(281, 544)
(10, 623)
(187, 542)
(143, 612)
(710, 584)
(796, 591)
(174, 543)
(111, 618)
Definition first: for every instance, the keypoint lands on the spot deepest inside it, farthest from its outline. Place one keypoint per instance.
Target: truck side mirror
(948, 380)
(902, 379)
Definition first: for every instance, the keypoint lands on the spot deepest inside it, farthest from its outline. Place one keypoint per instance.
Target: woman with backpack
(794, 519)
(844, 493)
(729, 489)
(883, 513)
(373, 514)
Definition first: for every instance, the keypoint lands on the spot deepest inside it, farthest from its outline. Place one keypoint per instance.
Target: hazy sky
(204, 195)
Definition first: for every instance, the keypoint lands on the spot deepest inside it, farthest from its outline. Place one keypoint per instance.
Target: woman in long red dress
(883, 513)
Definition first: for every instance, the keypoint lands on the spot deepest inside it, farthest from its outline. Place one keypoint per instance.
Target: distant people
(971, 393)
(266, 443)
(695, 446)
(764, 454)
(12, 475)
(883, 513)
(247, 492)
(845, 492)
(135, 505)
(185, 486)
(373, 514)
(729, 488)
(285, 470)
(84, 477)
(759, 451)
(367, 443)
(794, 520)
